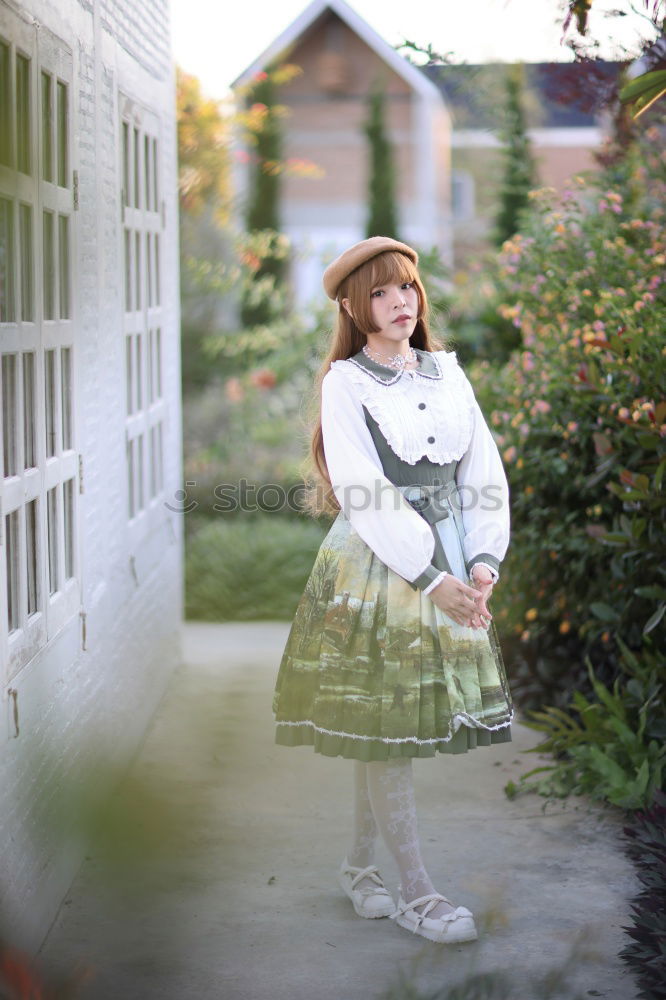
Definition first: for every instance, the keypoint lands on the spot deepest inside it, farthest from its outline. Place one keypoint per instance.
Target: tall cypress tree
(381, 187)
(519, 167)
(263, 205)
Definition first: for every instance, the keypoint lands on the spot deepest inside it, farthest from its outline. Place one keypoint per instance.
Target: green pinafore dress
(372, 669)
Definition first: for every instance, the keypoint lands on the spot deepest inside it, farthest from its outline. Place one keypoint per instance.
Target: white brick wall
(74, 704)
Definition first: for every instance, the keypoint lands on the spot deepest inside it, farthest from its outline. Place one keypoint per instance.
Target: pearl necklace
(395, 361)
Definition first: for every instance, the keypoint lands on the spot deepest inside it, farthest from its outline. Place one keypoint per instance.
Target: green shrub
(580, 417)
(615, 749)
(249, 569)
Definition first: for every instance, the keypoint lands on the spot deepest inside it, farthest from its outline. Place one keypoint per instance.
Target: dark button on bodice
(431, 439)
(421, 406)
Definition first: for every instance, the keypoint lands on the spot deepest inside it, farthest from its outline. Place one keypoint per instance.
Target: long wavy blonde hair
(348, 337)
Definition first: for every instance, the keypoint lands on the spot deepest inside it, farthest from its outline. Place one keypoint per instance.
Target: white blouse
(428, 411)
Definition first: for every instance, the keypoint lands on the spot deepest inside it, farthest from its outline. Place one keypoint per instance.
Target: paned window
(139, 170)
(39, 484)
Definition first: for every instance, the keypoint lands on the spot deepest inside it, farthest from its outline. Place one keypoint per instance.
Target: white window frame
(143, 322)
(50, 55)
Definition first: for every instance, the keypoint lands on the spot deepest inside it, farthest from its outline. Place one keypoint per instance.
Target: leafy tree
(222, 265)
(262, 211)
(205, 196)
(519, 169)
(381, 187)
(204, 166)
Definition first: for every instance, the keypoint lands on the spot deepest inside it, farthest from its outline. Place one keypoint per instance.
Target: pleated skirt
(372, 669)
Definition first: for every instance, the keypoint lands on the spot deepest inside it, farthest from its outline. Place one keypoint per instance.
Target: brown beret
(337, 271)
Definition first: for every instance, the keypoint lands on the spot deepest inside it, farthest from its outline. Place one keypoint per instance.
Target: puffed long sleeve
(483, 494)
(381, 515)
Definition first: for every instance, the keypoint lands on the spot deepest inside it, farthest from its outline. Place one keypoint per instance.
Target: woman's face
(389, 303)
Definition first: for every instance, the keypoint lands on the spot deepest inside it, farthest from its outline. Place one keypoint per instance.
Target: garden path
(238, 900)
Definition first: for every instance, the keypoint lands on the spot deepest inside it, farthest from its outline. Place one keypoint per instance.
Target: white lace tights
(384, 801)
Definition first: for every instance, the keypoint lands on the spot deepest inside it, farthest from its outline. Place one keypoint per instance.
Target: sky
(215, 40)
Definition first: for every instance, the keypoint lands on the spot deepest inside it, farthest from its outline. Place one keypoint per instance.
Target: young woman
(393, 653)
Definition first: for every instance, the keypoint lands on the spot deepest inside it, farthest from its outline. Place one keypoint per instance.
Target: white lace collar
(428, 366)
(442, 429)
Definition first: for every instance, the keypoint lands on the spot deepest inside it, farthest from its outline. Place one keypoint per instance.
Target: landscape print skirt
(373, 669)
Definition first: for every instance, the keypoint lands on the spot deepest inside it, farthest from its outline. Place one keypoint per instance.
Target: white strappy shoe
(452, 928)
(369, 901)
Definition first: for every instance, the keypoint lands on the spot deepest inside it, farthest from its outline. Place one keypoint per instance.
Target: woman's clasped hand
(466, 605)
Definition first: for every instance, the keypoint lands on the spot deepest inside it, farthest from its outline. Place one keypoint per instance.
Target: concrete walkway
(218, 880)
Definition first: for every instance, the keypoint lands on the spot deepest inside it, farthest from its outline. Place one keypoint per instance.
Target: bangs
(389, 268)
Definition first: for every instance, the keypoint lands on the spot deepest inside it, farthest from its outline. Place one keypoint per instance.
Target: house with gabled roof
(445, 146)
(342, 57)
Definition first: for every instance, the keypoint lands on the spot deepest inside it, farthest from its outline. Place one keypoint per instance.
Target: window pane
(29, 410)
(25, 250)
(12, 556)
(139, 371)
(66, 395)
(130, 478)
(7, 263)
(146, 171)
(63, 260)
(23, 159)
(160, 468)
(49, 266)
(137, 183)
(47, 127)
(129, 399)
(150, 365)
(63, 152)
(50, 400)
(149, 267)
(31, 555)
(128, 271)
(158, 362)
(68, 510)
(126, 169)
(155, 193)
(153, 461)
(139, 473)
(157, 270)
(9, 422)
(137, 269)
(52, 536)
(5, 108)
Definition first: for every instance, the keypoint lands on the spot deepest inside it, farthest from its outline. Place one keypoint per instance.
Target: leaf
(642, 84)
(644, 91)
(625, 733)
(604, 611)
(609, 769)
(653, 592)
(602, 443)
(654, 619)
(612, 701)
(536, 770)
(659, 474)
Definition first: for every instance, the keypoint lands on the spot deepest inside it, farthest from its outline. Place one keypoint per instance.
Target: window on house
(39, 484)
(463, 207)
(145, 405)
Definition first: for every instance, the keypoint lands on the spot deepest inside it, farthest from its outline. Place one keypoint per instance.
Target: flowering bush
(582, 423)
